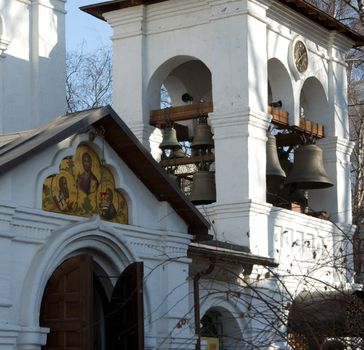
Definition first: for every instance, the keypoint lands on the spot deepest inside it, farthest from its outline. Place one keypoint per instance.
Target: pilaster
(171, 312)
(337, 199)
(6, 302)
(8, 336)
(338, 122)
(128, 69)
(240, 142)
(243, 223)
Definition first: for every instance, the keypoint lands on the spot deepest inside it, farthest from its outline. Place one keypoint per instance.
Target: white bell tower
(239, 56)
(32, 63)
(256, 64)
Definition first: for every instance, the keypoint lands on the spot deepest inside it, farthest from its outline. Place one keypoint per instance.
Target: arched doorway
(79, 314)
(220, 330)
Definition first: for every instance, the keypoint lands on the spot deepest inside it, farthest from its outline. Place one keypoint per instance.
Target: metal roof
(228, 253)
(309, 11)
(17, 148)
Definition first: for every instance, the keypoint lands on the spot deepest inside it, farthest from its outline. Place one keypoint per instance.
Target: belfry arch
(314, 103)
(180, 74)
(280, 86)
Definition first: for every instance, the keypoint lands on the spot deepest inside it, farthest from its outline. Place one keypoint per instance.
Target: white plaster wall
(326, 63)
(32, 68)
(26, 181)
(34, 242)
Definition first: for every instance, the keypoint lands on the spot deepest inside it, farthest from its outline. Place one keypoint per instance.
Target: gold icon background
(83, 187)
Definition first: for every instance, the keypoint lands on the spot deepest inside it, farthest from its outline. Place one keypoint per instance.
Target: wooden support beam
(173, 114)
(280, 117)
(161, 117)
(280, 120)
(188, 160)
(310, 128)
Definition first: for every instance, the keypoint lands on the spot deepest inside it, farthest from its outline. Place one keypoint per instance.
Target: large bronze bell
(290, 194)
(203, 188)
(169, 139)
(203, 137)
(273, 167)
(308, 169)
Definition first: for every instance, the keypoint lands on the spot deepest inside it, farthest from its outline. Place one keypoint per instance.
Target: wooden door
(67, 305)
(125, 316)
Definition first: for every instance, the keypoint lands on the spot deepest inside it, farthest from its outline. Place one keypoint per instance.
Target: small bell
(169, 139)
(275, 175)
(203, 188)
(178, 153)
(273, 168)
(203, 136)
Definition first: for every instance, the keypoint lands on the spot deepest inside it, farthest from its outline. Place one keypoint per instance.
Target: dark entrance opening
(80, 316)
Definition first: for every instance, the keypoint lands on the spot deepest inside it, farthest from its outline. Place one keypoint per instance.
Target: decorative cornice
(127, 22)
(32, 336)
(57, 5)
(280, 216)
(336, 146)
(301, 25)
(241, 209)
(8, 334)
(242, 117)
(156, 18)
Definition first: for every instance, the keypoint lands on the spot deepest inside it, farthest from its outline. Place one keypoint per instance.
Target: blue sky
(82, 27)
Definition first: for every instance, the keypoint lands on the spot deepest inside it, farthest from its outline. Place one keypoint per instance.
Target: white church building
(99, 246)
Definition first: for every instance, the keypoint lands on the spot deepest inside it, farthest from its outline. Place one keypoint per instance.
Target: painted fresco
(83, 187)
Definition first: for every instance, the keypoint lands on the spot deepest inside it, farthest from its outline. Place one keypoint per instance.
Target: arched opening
(314, 103)
(83, 314)
(280, 86)
(180, 74)
(192, 77)
(220, 329)
(183, 85)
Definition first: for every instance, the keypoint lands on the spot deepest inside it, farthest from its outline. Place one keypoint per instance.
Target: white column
(129, 55)
(239, 124)
(48, 61)
(8, 332)
(337, 122)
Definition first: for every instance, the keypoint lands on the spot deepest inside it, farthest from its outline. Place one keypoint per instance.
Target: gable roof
(309, 11)
(16, 148)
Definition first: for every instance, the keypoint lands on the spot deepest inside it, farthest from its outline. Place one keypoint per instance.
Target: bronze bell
(203, 137)
(169, 139)
(308, 170)
(290, 194)
(203, 188)
(273, 168)
(275, 175)
(178, 153)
